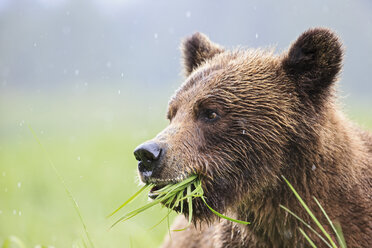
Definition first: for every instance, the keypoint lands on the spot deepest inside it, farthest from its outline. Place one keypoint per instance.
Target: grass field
(90, 138)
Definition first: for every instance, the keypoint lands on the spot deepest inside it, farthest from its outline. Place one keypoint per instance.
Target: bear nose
(147, 155)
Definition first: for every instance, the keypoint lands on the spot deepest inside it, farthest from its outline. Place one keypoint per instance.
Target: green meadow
(89, 135)
(90, 138)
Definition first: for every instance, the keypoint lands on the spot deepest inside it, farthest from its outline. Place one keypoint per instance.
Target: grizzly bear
(243, 119)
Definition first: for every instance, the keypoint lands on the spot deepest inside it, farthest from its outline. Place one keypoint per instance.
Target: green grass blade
(13, 241)
(189, 200)
(168, 224)
(307, 225)
(60, 178)
(304, 205)
(182, 207)
(340, 233)
(343, 245)
(162, 219)
(340, 240)
(197, 192)
(223, 216)
(164, 189)
(178, 199)
(307, 238)
(84, 243)
(130, 199)
(135, 212)
(166, 216)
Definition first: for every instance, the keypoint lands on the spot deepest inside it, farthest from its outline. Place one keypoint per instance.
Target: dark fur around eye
(209, 115)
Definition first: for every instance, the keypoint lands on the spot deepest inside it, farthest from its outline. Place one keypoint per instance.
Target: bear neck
(314, 165)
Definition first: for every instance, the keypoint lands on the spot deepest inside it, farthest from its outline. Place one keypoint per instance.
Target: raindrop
(1, 211)
(6, 190)
(19, 213)
(81, 176)
(119, 92)
(77, 72)
(78, 158)
(85, 84)
(256, 36)
(156, 35)
(14, 212)
(42, 131)
(188, 14)
(21, 123)
(313, 167)
(122, 74)
(4, 173)
(35, 44)
(19, 184)
(108, 64)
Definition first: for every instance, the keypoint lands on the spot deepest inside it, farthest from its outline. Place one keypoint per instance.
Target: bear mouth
(161, 183)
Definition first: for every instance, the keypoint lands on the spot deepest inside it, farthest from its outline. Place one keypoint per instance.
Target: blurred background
(93, 78)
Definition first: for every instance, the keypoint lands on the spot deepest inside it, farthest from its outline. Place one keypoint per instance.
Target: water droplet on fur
(243, 131)
(313, 167)
(188, 14)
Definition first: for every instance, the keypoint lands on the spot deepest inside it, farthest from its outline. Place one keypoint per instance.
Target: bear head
(240, 115)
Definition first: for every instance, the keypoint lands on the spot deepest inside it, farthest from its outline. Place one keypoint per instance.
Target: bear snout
(149, 156)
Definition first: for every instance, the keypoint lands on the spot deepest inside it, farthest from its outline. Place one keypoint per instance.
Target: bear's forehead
(248, 69)
(233, 66)
(237, 67)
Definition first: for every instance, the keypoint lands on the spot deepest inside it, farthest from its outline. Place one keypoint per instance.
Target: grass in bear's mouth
(173, 196)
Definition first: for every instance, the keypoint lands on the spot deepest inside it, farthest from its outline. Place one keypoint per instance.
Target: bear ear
(196, 49)
(314, 60)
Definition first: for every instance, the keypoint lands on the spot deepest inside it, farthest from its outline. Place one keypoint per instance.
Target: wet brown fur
(276, 116)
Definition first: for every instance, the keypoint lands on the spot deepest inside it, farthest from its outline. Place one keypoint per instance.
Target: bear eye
(210, 115)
